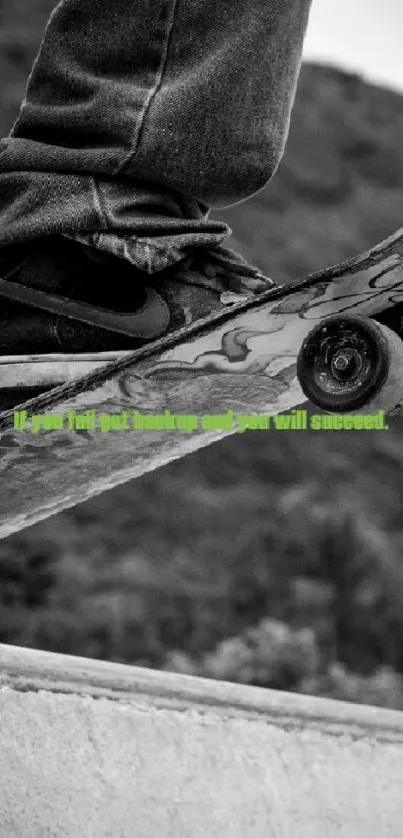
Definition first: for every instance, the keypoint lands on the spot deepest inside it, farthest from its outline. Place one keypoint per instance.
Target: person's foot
(65, 304)
(58, 296)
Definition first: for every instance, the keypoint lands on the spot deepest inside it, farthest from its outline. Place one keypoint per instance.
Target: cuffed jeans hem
(152, 228)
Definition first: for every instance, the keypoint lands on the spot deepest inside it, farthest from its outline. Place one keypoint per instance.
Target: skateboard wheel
(350, 362)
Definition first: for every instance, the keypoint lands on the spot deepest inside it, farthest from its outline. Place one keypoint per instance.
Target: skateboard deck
(190, 388)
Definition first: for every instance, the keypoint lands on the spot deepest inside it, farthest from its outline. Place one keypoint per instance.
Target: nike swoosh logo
(149, 321)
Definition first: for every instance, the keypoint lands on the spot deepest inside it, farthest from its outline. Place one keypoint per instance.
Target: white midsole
(52, 369)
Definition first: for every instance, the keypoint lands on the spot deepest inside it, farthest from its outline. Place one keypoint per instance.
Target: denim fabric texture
(141, 115)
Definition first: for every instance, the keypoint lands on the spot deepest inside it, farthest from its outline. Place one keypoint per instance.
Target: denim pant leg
(141, 115)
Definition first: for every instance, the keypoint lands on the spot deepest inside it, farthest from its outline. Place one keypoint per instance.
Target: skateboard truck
(351, 363)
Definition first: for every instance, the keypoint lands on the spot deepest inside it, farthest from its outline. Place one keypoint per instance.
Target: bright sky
(364, 36)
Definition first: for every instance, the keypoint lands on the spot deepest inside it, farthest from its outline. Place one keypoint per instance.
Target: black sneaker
(66, 308)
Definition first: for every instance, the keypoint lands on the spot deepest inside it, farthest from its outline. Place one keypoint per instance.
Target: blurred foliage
(271, 559)
(275, 656)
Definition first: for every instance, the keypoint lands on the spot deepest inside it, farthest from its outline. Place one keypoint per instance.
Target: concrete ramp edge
(89, 748)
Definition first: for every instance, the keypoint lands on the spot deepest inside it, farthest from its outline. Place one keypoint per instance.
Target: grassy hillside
(303, 531)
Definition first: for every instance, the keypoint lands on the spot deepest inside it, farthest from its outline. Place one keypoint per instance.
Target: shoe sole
(25, 371)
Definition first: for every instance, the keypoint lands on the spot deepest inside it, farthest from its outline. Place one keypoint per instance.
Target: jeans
(142, 115)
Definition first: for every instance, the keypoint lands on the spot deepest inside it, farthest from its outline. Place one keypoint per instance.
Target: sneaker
(67, 308)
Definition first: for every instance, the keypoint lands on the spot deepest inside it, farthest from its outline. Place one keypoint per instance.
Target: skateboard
(332, 338)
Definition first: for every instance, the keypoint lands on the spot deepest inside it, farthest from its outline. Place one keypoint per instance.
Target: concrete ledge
(95, 749)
